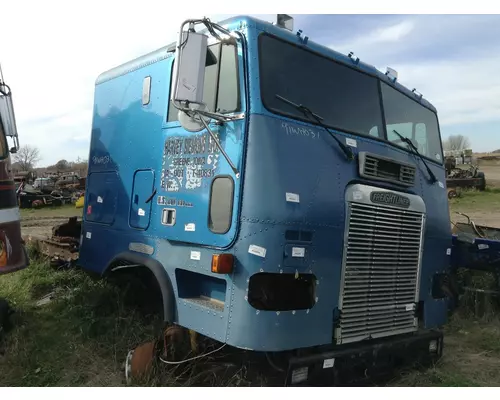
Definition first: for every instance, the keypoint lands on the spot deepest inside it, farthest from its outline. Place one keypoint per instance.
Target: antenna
(1, 73)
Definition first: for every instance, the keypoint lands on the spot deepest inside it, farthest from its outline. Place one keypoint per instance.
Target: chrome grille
(380, 272)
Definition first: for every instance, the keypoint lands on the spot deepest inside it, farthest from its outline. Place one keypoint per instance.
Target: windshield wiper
(415, 150)
(308, 113)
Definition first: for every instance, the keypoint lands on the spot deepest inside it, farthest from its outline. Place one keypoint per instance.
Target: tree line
(456, 142)
(28, 157)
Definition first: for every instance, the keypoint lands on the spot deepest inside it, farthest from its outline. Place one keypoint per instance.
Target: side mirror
(13, 150)
(189, 74)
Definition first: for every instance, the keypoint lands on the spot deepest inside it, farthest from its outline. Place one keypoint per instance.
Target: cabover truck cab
(13, 254)
(285, 196)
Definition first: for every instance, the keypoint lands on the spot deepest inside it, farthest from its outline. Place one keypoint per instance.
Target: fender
(161, 276)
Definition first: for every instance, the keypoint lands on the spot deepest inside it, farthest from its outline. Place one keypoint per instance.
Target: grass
(47, 212)
(475, 200)
(81, 337)
(471, 355)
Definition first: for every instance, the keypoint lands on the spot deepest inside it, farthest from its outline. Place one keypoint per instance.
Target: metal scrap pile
(51, 191)
(62, 247)
(458, 173)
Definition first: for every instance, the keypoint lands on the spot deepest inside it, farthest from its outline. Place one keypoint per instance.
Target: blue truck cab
(301, 205)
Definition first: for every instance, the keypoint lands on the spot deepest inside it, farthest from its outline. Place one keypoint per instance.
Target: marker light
(392, 74)
(285, 21)
(222, 263)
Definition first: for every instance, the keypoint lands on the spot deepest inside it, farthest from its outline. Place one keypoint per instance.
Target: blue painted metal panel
(101, 198)
(140, 211)
(273, 161)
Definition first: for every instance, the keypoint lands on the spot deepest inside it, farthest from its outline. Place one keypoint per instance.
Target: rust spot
(176, 343)
(142, 360)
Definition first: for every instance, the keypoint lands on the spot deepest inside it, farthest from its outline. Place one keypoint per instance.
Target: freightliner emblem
(389, 198)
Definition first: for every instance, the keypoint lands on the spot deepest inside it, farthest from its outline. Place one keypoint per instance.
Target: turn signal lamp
(222, 263)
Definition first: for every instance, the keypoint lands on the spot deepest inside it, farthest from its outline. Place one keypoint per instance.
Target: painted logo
(390, 198)
(101, 160)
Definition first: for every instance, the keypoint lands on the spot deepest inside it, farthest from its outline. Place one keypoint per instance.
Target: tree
(27, 157)
(62, 165)
(456, 142)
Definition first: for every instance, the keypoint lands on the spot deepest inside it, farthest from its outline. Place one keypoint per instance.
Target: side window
(221, 89)
(228, 99)
(221, 204)
(210, 84)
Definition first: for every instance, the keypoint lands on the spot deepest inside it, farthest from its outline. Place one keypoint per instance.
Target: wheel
(482, 185)
(37, 204)
(452, 193)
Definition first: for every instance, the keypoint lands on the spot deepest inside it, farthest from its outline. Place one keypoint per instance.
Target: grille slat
(383, 218)
(355, 306)
(381, 224)
(380, 272)
(384, 246)
(364, 232)
(378, 328)
(378, 319)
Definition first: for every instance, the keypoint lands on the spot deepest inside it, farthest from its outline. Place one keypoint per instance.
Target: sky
(51, 57)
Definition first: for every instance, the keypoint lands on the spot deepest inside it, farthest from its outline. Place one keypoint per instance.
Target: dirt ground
(492, 174)
(482, 207)
(39, 223)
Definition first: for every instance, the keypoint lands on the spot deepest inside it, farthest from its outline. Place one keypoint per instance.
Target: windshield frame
(383, 137)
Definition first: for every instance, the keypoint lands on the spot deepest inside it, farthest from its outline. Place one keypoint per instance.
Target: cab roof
(238, 22)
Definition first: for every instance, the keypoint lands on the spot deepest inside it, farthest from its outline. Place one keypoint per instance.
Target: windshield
(347, 99)
(411, 120)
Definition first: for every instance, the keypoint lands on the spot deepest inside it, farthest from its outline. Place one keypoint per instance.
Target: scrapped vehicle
(286, 199)
(13, 255)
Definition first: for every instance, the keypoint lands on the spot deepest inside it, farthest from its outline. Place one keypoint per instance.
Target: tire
(482, 185)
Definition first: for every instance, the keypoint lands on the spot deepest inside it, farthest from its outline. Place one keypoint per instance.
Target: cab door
(142, 192)
(198, 192)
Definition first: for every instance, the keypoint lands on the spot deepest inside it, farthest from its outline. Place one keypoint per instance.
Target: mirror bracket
(214, 138)
(187, 90)
(212, 29)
